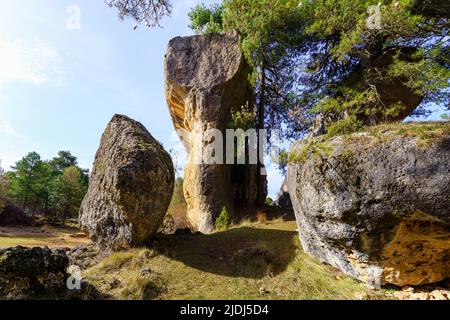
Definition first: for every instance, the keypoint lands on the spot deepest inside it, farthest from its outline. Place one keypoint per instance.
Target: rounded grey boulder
(32, 272)
(376, 204)
(130, 187)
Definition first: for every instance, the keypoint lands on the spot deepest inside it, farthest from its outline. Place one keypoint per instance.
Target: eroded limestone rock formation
(36, 272)
(206, 78)
(376, 205)
(130, 187)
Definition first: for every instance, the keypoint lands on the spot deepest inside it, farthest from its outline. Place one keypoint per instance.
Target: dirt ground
(52, 237)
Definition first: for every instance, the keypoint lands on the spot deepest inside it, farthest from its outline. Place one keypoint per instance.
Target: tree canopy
(206, 19)
(330, 66)
(54, 188)
(63, 161)
(69, 192)
(347, 62)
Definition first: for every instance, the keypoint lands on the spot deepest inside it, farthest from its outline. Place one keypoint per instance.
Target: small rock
(263, 290)
(146, 272)
(361, 296)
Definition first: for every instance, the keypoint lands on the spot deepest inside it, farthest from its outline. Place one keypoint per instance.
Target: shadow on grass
(240, 252)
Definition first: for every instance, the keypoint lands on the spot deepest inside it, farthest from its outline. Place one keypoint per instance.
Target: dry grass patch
(215, 267)
(52, 237)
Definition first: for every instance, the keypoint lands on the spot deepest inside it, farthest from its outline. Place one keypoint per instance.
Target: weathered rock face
(284, 198)
(130, 188)
(36, 272)
(206, 77)
(377, 205)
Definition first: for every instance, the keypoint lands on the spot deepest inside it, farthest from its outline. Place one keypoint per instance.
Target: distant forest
(52, 188)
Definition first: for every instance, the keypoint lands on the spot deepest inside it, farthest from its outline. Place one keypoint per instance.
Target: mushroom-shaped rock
(130, 187)
(206, 78)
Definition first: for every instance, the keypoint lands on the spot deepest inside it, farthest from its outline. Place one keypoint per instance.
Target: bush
(268, 202)
(223, 222)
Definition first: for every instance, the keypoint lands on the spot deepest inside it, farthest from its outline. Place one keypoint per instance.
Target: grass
(28, 241)
(204, 267)
(127, 276)
(312, 147)
(426, 134)
(39, 237)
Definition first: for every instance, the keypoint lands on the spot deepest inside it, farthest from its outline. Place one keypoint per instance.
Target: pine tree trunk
(261, 116)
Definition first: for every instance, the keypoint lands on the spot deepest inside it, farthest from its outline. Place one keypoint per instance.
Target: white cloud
(275, 180)
(6, 162)
(8, 129)
(29, 61)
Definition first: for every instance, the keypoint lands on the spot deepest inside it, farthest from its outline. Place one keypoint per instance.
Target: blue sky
(60, 87)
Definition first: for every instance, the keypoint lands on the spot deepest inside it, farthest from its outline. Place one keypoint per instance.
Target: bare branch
(149, 12)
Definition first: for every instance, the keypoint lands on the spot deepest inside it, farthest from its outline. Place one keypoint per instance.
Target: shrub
(269, 201)
(223, 222)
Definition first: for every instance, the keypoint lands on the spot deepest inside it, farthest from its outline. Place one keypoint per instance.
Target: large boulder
(130, 187)
(376, 204)
(32, 273)
(206, 78)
